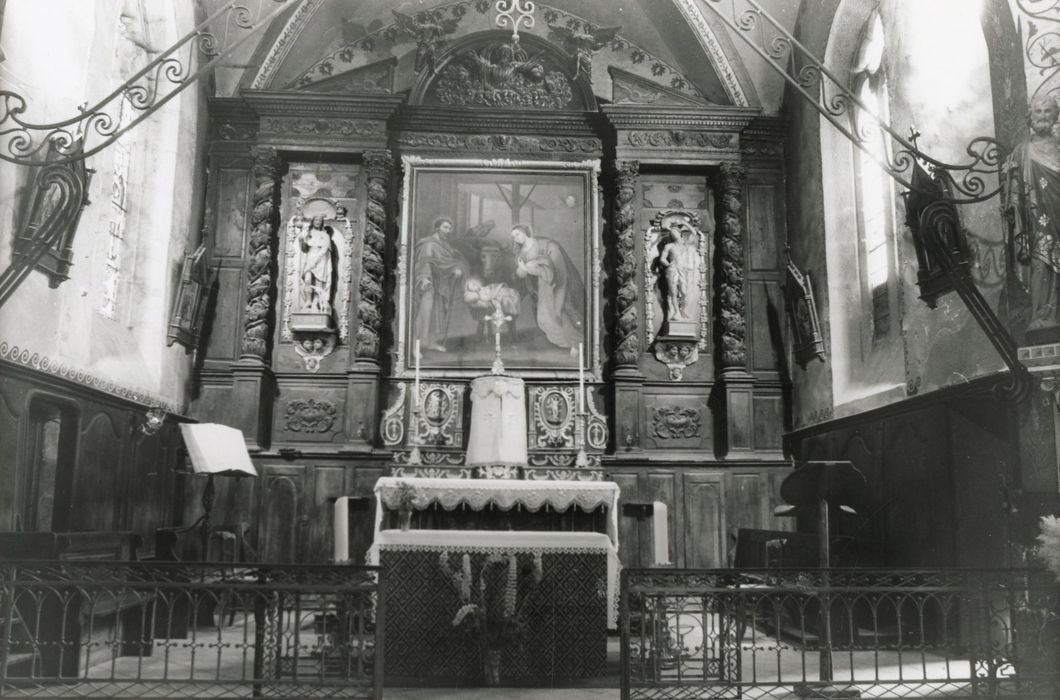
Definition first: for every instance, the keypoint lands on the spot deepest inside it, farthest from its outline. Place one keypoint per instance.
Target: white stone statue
(315, 273)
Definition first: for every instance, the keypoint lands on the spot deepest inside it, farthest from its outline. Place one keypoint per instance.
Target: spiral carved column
(627, 347)
(730, 300)
(377, 167)
(263, 222)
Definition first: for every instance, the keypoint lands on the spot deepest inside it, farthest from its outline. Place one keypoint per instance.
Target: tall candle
(581, 378)
(342, 529)
(660, 534)
(416, 398)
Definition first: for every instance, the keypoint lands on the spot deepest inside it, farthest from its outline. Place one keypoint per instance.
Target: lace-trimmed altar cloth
(478, 494)
(506, 541)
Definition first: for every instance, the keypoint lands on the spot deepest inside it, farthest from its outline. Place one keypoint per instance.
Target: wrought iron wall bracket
(779, 48)
(940, 228)
(161, 80)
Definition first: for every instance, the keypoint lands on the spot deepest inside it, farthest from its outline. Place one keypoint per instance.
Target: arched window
(872, 187)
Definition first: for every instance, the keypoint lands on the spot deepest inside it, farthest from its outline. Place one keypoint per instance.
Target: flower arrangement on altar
(1049, 543)
(406, 495)
(490, 613)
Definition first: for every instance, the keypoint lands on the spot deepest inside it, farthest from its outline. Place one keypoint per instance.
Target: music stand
(214, 449)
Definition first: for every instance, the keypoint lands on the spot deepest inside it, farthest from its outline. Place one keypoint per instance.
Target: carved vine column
(363, 379)
(252, 378)
(734, 377)
(377, 169)
(627, 347)
(628, 379)
(264, 215)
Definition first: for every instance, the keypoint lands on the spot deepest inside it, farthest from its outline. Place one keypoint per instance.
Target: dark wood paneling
(629, 550)
(762, 226)
(662, 486)
(279, 518)
(224, 324)
(768, 423)
(704, 521)
(232, 203)
(329, 482)
(12, 399)
(765, 305)
(96, 485)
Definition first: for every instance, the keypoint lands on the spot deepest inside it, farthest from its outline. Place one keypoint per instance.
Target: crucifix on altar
(497, 318)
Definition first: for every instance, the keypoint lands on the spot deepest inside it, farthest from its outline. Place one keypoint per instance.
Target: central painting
(499, 247)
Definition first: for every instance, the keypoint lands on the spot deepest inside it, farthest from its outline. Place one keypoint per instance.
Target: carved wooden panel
(677, 422)
(10, 410)
(96, 485)
(329, 483)
(762, 227)
(662, 486)
(279, 517)
(704, 521)
(765, 320)
(232, 193)
(768, 422)
(310, 414)
(224, 323)
(629, 539)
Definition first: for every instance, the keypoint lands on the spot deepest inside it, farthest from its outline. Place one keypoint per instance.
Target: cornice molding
(499, 121)
(309, 104)
(25, 360)
(714, 118)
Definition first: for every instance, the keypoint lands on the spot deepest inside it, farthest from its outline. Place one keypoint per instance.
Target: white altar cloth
(498, 422)
(500, 541)
(478, 494)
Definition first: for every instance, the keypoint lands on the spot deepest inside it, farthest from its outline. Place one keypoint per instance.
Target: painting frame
(430, 186)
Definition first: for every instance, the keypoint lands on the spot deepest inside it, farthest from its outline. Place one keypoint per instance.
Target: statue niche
(491, 70)
(318, 275)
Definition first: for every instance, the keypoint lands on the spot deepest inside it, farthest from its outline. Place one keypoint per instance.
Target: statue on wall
(676, 268)
(428, 30)
(1032, 208)
(315, 273)
(672, 263)
(583, 43)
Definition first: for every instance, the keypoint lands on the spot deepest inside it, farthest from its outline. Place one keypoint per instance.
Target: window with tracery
(873, 190)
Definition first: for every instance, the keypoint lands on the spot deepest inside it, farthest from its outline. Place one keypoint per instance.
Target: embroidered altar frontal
(562, 620)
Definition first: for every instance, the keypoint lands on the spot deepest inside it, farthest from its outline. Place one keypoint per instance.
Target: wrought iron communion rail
(894, 633)
(190, 630)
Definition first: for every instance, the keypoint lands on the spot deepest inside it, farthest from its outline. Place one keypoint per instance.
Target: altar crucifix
(497, 318)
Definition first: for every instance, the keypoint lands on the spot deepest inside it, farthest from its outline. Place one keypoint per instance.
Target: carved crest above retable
(490, 71)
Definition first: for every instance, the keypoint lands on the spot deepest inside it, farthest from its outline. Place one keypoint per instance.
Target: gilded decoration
(676, 422)
(309, 416)
(468, 247)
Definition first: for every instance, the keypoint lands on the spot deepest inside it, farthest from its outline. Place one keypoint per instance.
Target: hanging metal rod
(27, 143)
(782, 52)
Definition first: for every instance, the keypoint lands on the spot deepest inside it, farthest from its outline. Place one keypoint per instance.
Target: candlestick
(581, 378)
(416, 397)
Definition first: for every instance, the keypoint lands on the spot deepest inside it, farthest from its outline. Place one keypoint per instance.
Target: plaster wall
(939, 83)
(105, 41)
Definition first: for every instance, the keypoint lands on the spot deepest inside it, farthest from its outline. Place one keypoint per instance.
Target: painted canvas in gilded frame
(521, 237)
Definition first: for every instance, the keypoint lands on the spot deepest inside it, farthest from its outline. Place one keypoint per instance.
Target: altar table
(565, 616)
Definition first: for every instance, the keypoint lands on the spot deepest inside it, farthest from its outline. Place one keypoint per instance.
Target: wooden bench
(60, 629)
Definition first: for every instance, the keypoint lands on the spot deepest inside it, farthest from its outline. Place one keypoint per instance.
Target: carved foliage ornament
(309, 416)
(502, 142)
(676, 422)
(501, 75)
(627, 351)
(730, 299)
(682, 139)
(267, 168)
(300, 126)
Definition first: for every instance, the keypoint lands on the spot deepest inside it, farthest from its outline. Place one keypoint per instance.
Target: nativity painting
(514, 243)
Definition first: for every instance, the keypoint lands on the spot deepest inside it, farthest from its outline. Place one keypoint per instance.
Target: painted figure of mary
(555, 285)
